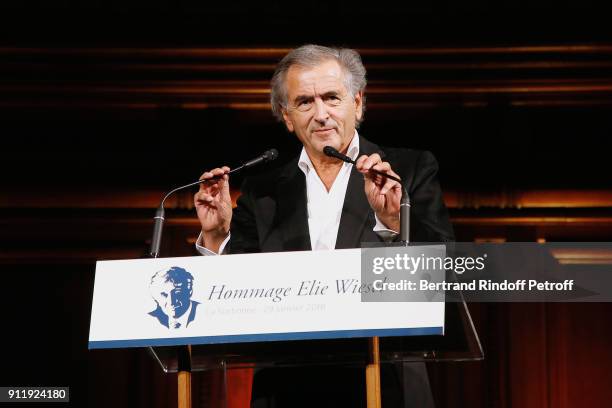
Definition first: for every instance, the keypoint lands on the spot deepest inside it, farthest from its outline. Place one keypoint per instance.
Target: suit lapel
(356, 209)
(354, 213)
(292, 209)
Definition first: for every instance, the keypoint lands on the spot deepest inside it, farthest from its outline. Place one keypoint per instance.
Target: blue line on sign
(251, 338)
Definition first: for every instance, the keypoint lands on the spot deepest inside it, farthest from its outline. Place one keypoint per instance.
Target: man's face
(173, 298)
(320, 110)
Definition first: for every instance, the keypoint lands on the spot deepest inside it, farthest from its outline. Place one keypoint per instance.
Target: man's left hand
(384, 194)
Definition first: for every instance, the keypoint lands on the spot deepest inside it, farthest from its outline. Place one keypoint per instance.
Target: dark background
(105, 105)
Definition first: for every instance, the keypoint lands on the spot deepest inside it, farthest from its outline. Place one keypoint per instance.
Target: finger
(224, 183)
(377, 173)
(206, 175)
(371, 161)
(377, 169)
(390, 184)
(213, 176)
(218, 172)
(394, 174)
(202, 198)
(360, 161)
(384, 167)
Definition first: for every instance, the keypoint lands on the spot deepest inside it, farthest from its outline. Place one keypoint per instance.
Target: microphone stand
(373, 396)
(404, 218)
(404, 202)
(184, 352)
(159, 218)
(373, 367)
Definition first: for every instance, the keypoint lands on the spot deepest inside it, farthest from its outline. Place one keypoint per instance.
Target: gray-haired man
(317, 202)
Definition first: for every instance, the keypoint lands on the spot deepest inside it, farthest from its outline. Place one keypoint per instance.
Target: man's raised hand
(384, 194)
(214, 207)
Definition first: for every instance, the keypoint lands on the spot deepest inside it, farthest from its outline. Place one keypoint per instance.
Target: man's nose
(321, 113)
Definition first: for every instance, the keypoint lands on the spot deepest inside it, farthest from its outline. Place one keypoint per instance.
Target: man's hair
(309, 56)
(174, 275)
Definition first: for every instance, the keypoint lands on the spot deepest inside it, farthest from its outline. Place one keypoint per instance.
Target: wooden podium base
(184, 377)
(373, 396)
(184, 389)
(372, 372)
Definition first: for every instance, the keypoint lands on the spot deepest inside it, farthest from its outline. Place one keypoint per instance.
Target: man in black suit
(317, 202)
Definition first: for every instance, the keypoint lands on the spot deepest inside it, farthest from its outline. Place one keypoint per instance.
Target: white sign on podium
(245, 298)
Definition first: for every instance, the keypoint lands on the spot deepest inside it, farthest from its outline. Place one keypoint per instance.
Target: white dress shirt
(324, 207)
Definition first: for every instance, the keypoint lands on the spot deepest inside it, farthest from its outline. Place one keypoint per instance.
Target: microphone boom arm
(404, 202)
(159, 218)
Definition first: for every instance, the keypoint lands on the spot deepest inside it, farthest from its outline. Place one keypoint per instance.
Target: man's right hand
(214, 207)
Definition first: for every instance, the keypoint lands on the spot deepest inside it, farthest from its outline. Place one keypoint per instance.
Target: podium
(459, 344)
(307, 330)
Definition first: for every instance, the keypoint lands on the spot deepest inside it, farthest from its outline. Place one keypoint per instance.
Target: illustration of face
(172, 291)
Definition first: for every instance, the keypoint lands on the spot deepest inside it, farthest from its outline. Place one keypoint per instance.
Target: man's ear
(359, 105)
(287, 120)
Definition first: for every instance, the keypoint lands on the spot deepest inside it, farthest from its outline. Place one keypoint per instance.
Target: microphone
(404, 202)
(332, 152)
(267, 156)
(159, 218)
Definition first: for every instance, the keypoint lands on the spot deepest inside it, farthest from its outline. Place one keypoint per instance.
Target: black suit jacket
(271, 213)
(271, 216)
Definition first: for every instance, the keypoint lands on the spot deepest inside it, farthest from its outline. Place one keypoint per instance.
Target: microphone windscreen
(330, 151)
(270, 155)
